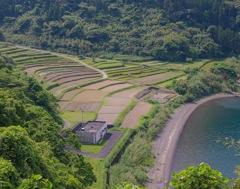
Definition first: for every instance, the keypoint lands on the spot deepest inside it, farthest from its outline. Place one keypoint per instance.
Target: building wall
(92, 137)
(87, 137)
(101, 132)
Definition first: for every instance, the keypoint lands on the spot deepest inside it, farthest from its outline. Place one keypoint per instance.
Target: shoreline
(166, 144)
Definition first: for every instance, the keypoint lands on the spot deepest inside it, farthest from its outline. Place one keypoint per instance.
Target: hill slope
(31, 140)
(166, 30)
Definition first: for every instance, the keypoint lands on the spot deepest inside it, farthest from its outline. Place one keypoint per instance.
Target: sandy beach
(166, 143)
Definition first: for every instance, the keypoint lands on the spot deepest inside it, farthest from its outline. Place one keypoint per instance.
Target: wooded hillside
(162, 29)
(31, 139)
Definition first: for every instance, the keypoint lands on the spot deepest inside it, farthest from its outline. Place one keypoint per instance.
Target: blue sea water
(212, 121)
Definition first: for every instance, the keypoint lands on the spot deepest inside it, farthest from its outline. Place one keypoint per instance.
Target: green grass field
(209, 65)
(99, 171)
(94, 148)
(75, 116)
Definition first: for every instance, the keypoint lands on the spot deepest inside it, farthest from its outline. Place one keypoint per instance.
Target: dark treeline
(162, 29)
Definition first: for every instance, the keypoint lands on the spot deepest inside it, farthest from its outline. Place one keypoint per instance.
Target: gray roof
(93, 126)
(76, 127)
(90, 126)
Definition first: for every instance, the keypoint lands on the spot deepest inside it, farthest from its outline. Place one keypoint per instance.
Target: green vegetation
(219, 78)
(36, 146)
(36, 181)
(134, 162)
(76, 116)
(95, 148)
(201, 176)
(166, 30)
(117, 148)
(101, 166)
(100, 171)
(126, 185)
(197, 177)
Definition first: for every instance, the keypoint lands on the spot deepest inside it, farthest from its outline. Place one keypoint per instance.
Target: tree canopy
(161, 29)
(199, 177)
(31, 147)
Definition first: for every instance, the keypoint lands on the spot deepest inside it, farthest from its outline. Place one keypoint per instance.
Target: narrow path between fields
(66, 124)
(104, 75)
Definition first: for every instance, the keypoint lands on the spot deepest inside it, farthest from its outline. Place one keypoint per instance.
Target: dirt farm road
(66, 124)
(104, 75)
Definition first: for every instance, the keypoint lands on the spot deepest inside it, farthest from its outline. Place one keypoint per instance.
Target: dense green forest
(31, 139)
(160, 29)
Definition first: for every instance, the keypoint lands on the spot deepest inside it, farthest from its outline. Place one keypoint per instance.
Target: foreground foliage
(199, 177)
(126, 185)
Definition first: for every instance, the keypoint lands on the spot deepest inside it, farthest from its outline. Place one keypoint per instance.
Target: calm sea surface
(212, 121)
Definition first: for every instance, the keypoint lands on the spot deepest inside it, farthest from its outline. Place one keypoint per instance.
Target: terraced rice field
(90, 96)
(210, 65)
(70, 75)
(64, 79)
(55, 76)
(131, 72)
(117, 101)
(146, 73)
(78, 106)
(77, 82)
(116, 87)
(111, 109)
(101, 84)
(50, 68)
(115, 104)
(165, 84)
(157, 78)
(69, 95)
(125, 71)
(132, 118)
(32, 70)
(109, 118)
(130, 93)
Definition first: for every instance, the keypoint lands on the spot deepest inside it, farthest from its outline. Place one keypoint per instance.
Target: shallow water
(210, 122)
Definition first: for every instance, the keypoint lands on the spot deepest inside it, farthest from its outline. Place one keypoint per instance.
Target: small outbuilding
(90, 132)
